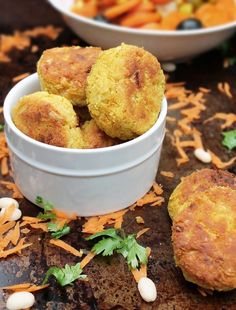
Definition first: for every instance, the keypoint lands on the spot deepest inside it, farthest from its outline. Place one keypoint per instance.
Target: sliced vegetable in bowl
(158, 14)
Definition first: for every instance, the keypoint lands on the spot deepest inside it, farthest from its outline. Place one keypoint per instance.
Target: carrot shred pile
(22, 39)
(190, 106)
(97, 223)
(12, 186)
(66, 247)
(10, 235)
(152, 198)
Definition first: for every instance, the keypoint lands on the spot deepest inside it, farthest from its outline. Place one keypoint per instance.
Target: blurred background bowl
(166, 45)
(89, 181)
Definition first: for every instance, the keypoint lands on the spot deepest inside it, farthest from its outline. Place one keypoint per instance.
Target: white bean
(7, 202)
(147, 289)
(16, 215)
(203, 156)
(168, 66)
(20, 300)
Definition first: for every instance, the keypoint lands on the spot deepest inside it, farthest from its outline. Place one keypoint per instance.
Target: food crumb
(139, 220)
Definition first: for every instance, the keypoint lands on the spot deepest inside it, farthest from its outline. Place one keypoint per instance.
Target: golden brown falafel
(94, 137)
(124, 91)
(63, 71)
(49, 119)
(196, 183)
(204, 239)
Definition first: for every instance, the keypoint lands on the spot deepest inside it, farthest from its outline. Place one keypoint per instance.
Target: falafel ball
(196, 183)
(49, 119)
(125, 89)
(204, 239)
(94, 137)
(63, 71)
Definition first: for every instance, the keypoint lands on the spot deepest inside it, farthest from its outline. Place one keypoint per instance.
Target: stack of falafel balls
(92, 98)
(203, 210)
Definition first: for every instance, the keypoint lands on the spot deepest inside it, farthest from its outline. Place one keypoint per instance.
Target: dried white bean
(7, 202)
(147, 289)
(203, 156)
(168, 66)
(16, 215)
(20, 300)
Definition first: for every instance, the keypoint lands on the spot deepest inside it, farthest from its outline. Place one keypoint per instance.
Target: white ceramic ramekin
(88, 182)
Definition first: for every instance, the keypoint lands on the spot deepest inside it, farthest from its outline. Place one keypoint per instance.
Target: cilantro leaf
(46, 216)
(127, 246)
(107, 246)
(229, 139)
(56, 232)
(46, 205)
(65, 275)
(1, 127)
(134, 253)
(111, 232)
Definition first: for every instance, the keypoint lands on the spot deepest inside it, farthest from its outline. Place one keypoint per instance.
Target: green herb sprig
(48, 214)
(66, 275)
(114, 241)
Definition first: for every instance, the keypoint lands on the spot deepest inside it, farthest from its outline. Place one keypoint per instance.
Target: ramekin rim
(30, 79)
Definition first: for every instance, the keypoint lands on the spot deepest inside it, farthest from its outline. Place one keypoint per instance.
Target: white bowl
(166, 45)
(88, 182)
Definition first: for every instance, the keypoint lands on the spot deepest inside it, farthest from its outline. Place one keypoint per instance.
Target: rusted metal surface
(111, 285)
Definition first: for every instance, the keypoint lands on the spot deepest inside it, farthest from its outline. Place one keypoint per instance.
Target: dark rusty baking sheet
(111, 285)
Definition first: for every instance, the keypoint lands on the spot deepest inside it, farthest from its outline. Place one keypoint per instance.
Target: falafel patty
(125, 89)
(94, 137)
(196, 183)
(49, 119)
(63, 71)
(204, 239)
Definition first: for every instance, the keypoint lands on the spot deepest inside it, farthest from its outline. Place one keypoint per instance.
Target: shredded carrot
(141, 232)
(12, 186)
(87, 259)
(120, 9)
(97, 223)
(66, 247)
(219, 163)
(167, 174)
(204, 90)
(142, 272)
(17, 249)
(42, 226)
(228, 118)
(170, 119)
(6, 227)
(139, 273)
(14, 235)
(17, 286)
(225, 89)
(7, 214)
(139, 220)
(26, 287)
(20, 77)
(63, 215)
(31, 219)
(158, 190)
(4, 166)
